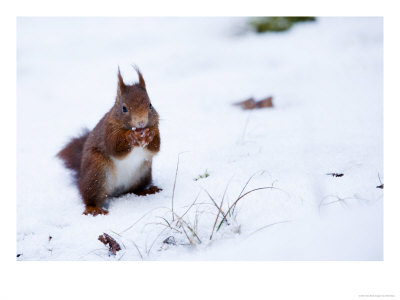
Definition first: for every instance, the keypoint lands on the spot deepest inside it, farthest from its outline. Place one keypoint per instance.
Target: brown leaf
(380, 186)
(267, 102)
(112, 244)
(247, 104)
(252, 104)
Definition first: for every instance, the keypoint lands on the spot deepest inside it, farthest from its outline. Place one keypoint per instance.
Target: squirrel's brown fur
(72, 153)
(116, 156)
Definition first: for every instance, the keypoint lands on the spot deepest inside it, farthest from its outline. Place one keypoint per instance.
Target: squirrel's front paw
(136, 137)
(147, 137)
(141, 137)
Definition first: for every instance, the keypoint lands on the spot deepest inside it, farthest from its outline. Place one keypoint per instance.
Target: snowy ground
(326, 79)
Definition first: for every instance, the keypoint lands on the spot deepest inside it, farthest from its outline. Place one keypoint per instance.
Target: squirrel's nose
(141, 124)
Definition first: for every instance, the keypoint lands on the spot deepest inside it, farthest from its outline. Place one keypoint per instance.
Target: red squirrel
(115, 158)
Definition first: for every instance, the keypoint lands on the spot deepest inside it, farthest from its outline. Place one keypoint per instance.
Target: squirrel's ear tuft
(121, 84)
(142, 84)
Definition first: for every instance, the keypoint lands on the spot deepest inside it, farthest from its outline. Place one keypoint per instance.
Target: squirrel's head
(132, 107)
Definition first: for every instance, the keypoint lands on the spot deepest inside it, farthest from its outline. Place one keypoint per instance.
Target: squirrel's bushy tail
(71, 154)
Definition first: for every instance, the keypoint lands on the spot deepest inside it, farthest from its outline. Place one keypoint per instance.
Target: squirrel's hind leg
(94, 211)
(148, 191)
(145, 187)
(92, 184)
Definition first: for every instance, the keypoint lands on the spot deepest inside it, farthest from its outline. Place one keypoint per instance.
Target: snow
(326, 78)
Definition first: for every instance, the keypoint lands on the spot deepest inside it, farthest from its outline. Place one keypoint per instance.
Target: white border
(198, 280)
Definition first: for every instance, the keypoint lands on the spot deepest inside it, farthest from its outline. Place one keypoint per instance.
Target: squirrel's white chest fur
(128, 171)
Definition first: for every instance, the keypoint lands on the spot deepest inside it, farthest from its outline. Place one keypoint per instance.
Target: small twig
(340, 200)
(131, 226)
(253, 190)
(184, 231)
(152, 244)
(248, 181)
(162, 224)
(137, 248)
(197, 197)
(381, 184)
(193, 232)
(244, 187)
(237, 200)
(220, 209)
(123, 256)
(196, 219)
(166, 221)
(245, 125)
(183, 222)
(173, 190)
(92, 251)
(266, 226)
(215, 203)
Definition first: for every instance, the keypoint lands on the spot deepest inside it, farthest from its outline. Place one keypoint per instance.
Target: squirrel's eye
(150, 106)
(124, 109)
